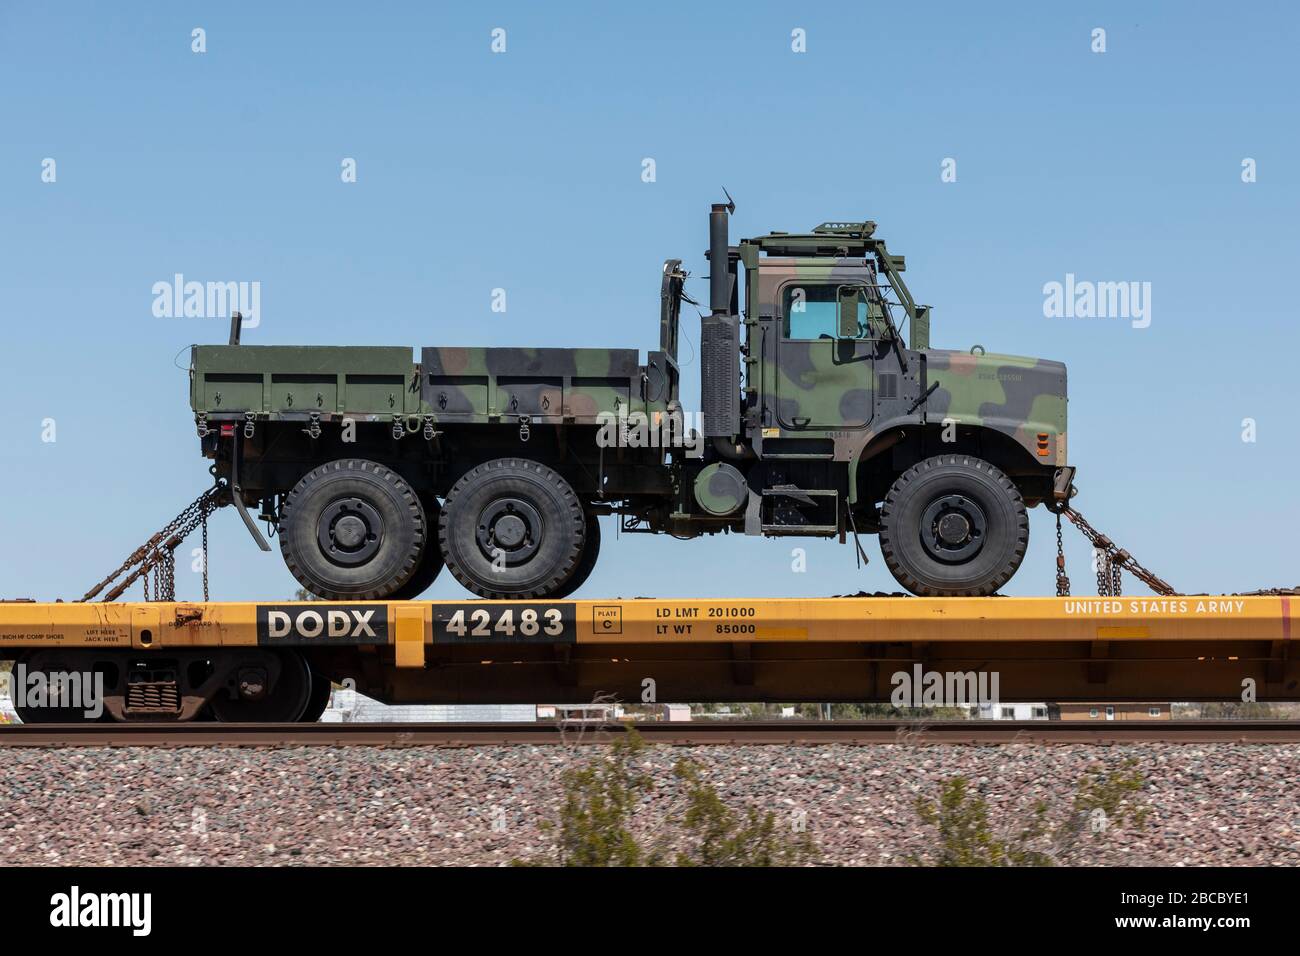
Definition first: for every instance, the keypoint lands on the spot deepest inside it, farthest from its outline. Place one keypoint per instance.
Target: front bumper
(1063, 486)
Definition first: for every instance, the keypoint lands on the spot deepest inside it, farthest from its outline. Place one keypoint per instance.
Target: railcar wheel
(318, 700)
(47, 679)
(953, 525)
(512, 528)
(352, 529)
(266, 687)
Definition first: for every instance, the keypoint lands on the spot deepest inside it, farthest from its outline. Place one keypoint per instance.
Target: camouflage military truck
(823, 412)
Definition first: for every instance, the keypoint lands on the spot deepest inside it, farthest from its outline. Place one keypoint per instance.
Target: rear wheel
(352, 529)
(431, 564)
(590, 552)
(512, 528)
(953, 525)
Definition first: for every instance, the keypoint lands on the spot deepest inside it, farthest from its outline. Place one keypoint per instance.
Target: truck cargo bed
(549, 385)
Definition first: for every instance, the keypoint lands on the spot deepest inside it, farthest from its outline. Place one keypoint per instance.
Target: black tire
(523, 512)
(953, 525)
(352, 530)
(431, 564)
(583, 569)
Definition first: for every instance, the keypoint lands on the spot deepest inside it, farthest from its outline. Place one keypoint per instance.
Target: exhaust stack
(719, 254)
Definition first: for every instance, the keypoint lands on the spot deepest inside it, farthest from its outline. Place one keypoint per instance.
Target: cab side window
(811, 311)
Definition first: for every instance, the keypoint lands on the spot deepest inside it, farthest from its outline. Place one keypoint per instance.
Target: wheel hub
(252, 683)
(350, 531)
(510, 531)
(953, 528)
(511, 527)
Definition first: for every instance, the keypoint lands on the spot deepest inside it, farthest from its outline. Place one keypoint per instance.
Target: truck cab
(842, 414)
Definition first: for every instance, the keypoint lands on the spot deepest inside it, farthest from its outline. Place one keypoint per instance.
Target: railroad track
(722, 733)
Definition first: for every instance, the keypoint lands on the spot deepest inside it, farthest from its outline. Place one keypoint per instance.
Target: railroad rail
(694, 733)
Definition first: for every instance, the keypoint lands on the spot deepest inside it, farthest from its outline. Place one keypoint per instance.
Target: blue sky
(522, 171)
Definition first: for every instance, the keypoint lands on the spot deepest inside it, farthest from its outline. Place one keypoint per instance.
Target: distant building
(724, 712)
(599, 713)
(1102, 711)
(1012, 712)
(347, 706)
(675, 713)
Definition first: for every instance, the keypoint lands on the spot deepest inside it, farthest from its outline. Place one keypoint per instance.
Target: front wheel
(953, 525)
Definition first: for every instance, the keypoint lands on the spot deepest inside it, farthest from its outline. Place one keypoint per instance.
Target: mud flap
(236, 495)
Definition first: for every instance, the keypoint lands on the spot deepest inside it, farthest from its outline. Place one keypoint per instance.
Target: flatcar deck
(1197, 647)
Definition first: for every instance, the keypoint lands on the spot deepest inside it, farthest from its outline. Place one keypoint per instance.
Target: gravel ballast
(1224, 804)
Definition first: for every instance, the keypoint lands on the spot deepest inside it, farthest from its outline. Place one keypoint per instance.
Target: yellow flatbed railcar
(237, 661)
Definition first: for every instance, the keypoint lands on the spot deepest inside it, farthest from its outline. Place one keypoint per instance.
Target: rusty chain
(157, 556)
(205, 557)
(1062, 579)
(1111, 560)
(1108, 574)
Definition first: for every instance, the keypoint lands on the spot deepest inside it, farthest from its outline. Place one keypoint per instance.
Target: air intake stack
(720, 336)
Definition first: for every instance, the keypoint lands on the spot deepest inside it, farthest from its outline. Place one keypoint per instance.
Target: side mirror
(849, 297)
(921, 328)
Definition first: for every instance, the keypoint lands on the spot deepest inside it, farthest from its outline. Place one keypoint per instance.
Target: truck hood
(1022, 397)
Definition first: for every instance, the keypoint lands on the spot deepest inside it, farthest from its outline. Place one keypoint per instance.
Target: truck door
(824, 357)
